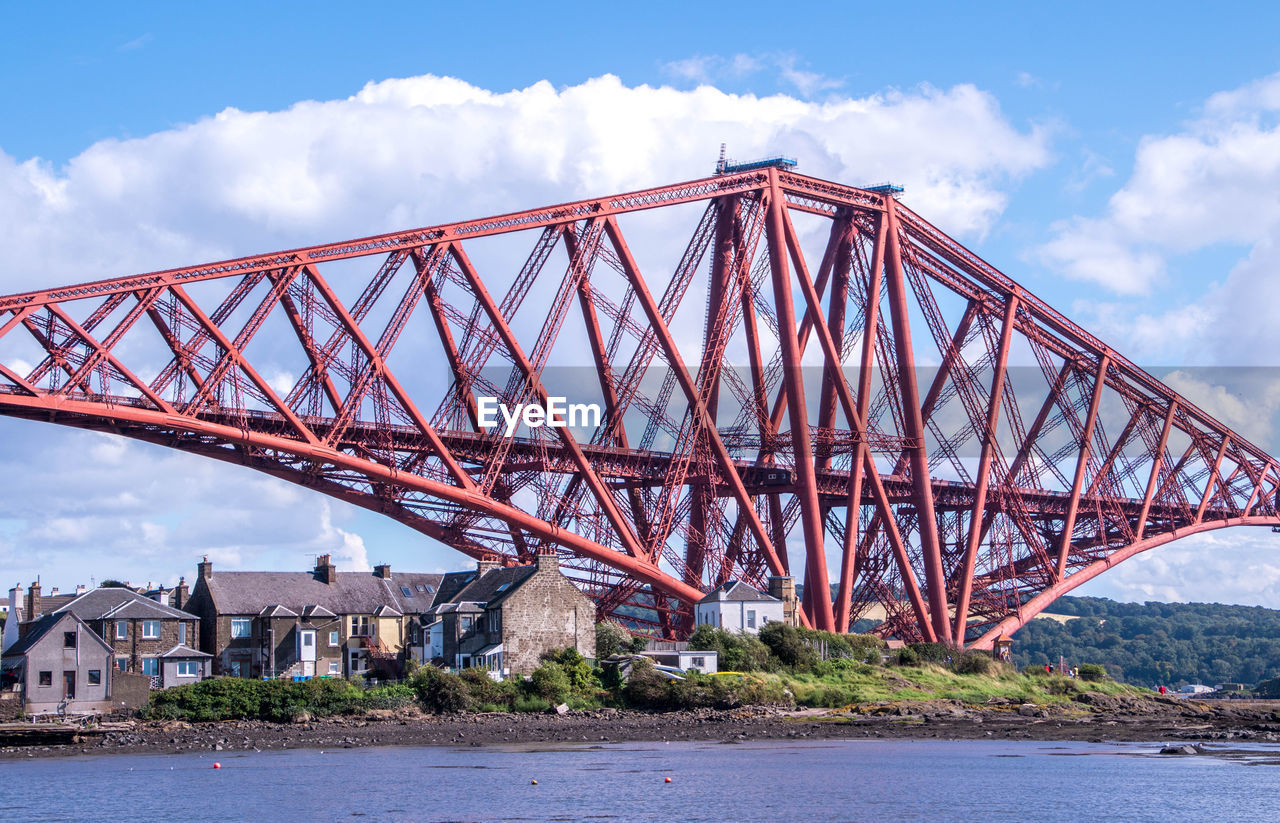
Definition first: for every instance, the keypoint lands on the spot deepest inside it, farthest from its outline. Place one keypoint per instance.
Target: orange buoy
(533, 782)
(666, 780)
(217, 765)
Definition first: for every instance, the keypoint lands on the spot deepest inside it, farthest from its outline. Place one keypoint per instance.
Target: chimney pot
(383, 570)
(326, 572)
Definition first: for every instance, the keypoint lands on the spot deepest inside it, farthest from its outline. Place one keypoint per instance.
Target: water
(873, 780)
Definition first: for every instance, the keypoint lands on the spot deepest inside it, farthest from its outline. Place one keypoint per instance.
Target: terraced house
(146, 637)
(306, 624)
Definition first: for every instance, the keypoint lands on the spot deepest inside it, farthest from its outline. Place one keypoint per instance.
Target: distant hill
(1150, 644)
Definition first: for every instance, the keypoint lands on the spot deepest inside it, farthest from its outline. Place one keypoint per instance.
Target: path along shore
(1093, 718)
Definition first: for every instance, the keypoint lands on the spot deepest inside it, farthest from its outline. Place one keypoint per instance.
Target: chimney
(326, 572)
(204, 570)
(33, 601)
(383, 571)
(81, 589)
(54, 592)
(180, 594)
(784, 588)
(487, 564)
(547, 559)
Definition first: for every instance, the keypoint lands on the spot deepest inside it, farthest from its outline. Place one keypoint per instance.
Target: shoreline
(1103, 719)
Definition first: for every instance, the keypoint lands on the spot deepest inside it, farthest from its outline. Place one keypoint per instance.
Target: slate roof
(120, 604)
(44, 626)
(735, 591)
(486, 588)
(452, 583)
(248, 593)
(184, 651)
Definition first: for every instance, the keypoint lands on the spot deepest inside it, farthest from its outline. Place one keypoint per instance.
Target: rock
(1027, 710)
(562, 709)
(1184, 749)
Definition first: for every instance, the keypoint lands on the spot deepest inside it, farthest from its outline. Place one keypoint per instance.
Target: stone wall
(546, 612)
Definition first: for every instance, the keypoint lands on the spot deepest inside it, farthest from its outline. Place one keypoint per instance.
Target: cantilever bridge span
(813, 378)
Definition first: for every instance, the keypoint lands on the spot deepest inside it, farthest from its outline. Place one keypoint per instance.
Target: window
(122, 664)
(504, 587)
(46, 678)
(151, 665)
(406, 591)
(333, 638)
(239, 668)
(188, 668)
(122, 630)
(495, 621)
(95, 677)
(421, 589)
(360, 625)
(335, 667)
(697, 662)
(241, 627)
(751, 618)
(182, 633)
(467, 620)
(68, 640)
(150, 629)
(308, 639)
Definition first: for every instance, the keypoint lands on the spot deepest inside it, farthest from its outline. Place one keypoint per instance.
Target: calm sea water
(766, 781)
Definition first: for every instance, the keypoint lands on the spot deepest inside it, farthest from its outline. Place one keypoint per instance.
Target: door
(68, 685)
(307, 645)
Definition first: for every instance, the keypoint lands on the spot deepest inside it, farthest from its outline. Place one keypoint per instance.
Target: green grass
(874, 684)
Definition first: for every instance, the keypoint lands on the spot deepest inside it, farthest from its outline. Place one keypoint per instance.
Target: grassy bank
(782, 669)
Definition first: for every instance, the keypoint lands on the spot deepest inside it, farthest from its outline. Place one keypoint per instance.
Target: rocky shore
(1094, 717)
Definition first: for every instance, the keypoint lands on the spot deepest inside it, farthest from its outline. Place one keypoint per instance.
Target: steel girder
(868, 415)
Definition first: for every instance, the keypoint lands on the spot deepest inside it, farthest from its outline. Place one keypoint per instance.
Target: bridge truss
(819, 379)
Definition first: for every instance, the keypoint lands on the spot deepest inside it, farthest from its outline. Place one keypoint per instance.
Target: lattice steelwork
(762, 404)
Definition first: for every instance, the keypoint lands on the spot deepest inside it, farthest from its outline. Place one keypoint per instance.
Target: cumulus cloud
(1213, 183)
(399, 153)
(1201, 568)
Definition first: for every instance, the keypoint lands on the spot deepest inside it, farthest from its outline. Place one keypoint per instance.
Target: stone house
(736, 607)
(504, 619)
(147, 637)
(308, 624)
(59, 665)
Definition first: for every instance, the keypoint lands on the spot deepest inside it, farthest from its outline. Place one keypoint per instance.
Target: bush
(551, 683)
(908, 656)
(439, 691)
(786, 644)
(1093, 672)
(611, 639)
(931, 652)
(975, 661)
(1267, 689)
(583, 680)
(646, 688)
(487, 694)
(234, 698)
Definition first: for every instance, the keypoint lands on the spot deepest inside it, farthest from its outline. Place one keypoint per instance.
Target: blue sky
(1142, 137)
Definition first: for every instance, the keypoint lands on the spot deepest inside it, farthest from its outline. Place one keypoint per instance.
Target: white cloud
(1205, 568)
(398, 153)
(1212, 183)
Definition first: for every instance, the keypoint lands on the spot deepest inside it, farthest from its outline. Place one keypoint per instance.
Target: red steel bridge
(815, 377)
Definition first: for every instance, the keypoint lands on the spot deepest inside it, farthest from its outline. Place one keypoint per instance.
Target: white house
(685, 659)
(735, 606)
